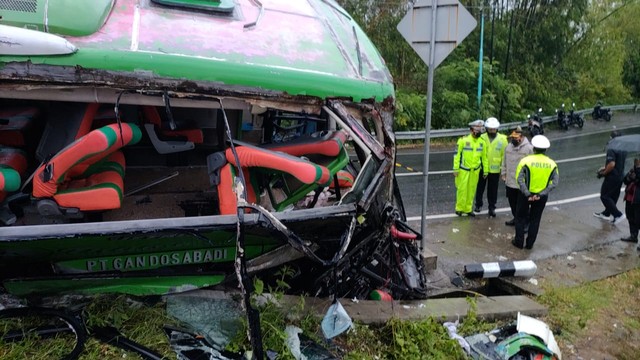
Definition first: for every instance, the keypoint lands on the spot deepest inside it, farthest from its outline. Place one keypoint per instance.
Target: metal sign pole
(427, 126)
(454, 25)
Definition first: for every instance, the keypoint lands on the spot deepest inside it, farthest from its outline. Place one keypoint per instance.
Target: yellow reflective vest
(471, 154)
(540, 169)
(495, 151)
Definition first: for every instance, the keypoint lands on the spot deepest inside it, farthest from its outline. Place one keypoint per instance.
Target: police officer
(496, 144)
(467, 165)
(536, 175)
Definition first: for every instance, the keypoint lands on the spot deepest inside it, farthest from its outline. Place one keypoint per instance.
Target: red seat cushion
(20, 124)
(13, 165)
(194, 135)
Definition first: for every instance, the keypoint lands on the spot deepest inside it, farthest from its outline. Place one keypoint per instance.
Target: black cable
(116, 109)
(253, 316)
(74, 325)
(167, 109)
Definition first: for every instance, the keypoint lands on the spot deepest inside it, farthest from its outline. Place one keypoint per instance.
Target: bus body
(140, 140)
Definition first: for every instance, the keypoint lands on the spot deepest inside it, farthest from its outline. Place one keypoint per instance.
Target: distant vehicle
(572, 119)
(536, 126)
(600, 112)
(562, 118)
(146, 145)
(575, 118)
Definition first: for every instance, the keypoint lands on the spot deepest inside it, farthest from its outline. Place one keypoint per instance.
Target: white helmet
(476, 123)
(540, 142)
(492, 123)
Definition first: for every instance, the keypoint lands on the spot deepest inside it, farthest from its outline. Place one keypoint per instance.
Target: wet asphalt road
(577, 176)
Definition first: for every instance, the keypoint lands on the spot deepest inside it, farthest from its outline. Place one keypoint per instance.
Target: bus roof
(306, 47)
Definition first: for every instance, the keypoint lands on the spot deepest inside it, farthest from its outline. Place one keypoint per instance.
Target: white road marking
(441, 172)
(506, 209)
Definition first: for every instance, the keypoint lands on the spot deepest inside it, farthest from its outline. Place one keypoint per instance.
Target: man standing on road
(536, 175)
(518, 148)
(632, 201)
(495, 143)
(467, 164)
(613, 173)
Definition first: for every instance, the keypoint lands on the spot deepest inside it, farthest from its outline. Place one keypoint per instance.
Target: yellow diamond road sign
(453, 24)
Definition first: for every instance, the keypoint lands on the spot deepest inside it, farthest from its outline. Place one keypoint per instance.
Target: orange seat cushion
(305, 171)
(88, 174)
(226, 196)
(101, 191)
(329, 145)
(345, 179)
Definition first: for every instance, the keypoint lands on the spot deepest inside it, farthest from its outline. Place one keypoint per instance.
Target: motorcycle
(563, 121)
(575, 118)
(536, 126)
(601, 113)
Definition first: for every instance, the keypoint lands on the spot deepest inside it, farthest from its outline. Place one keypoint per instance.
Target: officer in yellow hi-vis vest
(467, 164)
(536, 175)
(496, 143)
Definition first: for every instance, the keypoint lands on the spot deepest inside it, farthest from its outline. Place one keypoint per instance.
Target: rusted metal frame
(296, 242)
(50, 76)
(382, 176)
(357, 129)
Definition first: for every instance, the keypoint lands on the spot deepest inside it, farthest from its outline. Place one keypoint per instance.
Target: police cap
(540, 142)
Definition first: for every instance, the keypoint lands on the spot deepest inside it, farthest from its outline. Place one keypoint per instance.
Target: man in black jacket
(613, 172)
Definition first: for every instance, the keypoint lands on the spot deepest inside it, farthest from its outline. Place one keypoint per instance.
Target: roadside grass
(602, 317)
(136, 320)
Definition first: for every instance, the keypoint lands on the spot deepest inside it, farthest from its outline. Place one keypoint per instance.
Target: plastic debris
(526, 338)
(293, 342)
(452, 329)
(538, 328)
(336, 321)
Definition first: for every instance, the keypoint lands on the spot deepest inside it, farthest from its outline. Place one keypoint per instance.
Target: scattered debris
(527, 338)
(293, 341)
(336, 321)
(452, 329)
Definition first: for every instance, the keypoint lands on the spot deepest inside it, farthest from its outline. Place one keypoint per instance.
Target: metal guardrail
(419, 135)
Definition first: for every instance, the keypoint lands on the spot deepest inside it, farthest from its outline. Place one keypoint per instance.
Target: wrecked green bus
(146, 145)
